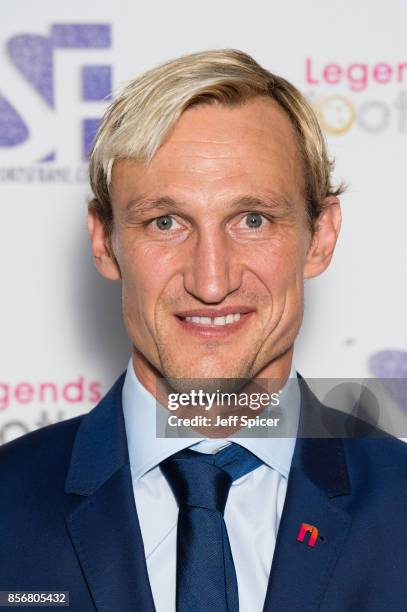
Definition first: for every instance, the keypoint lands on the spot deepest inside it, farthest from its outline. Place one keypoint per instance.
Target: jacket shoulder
(386, 452)
(43, 454)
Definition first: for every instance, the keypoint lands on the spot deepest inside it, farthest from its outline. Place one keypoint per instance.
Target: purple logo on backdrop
(33, 56)
(387, 366)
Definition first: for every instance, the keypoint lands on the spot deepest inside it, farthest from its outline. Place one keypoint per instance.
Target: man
(213, 202)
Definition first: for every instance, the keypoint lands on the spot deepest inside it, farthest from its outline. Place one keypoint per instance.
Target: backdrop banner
(62, 339)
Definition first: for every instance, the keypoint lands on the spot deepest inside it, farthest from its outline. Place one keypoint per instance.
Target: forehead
(216, 150)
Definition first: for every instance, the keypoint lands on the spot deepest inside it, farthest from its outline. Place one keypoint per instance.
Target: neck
(270, 379)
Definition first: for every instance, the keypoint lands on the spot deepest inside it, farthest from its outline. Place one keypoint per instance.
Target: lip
(214, 331)
(215, 312)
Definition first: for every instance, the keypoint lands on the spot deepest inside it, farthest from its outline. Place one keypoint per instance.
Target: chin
(209, 377)
(206, 384)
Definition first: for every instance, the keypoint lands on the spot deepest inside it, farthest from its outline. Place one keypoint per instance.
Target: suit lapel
(318, 478)
(104, 526)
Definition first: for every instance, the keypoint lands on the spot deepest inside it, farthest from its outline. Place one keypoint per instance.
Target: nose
(212, 271)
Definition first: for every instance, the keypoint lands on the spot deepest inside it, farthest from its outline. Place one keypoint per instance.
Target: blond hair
(139, 120)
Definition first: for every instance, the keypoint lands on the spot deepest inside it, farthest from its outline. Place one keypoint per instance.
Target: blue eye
(164, 222)
(254, 220)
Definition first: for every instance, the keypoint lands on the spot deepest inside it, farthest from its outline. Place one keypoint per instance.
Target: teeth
(230, 318)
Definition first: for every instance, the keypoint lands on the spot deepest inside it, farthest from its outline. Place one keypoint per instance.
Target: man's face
(212, 243)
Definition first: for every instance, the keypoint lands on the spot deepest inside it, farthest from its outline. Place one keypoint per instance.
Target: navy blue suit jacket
(69, 521)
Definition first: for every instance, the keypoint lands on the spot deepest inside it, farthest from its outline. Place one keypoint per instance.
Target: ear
(105, 260)
(323, 242)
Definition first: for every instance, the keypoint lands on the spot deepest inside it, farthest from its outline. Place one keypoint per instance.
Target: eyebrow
(275, 203)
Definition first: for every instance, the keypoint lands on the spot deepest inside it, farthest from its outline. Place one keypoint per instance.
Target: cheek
(279, 266)
(145, 274)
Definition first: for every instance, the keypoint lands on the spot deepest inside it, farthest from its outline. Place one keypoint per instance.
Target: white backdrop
(62, 340)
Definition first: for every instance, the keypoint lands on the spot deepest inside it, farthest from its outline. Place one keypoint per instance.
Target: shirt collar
(146, 450)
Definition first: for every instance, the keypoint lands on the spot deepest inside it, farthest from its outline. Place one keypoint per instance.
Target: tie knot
(203, 480)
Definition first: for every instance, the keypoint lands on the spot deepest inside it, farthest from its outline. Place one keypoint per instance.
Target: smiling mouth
(222, 320)
(214, 324)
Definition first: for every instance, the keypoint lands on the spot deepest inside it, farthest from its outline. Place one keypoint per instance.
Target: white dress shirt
(253, 509)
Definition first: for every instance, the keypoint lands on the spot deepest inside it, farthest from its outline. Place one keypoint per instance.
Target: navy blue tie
(206, 576)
